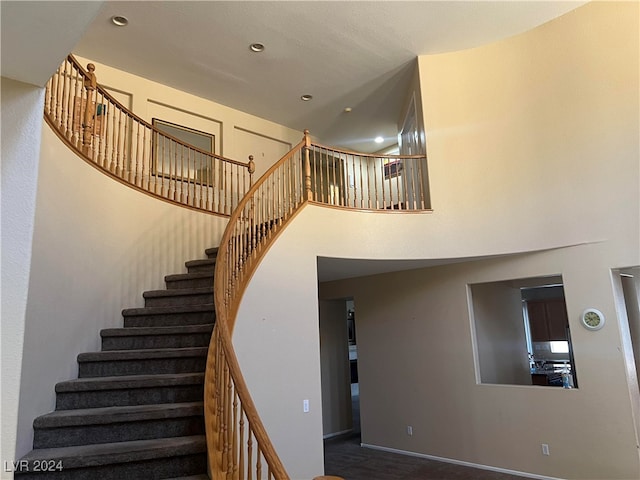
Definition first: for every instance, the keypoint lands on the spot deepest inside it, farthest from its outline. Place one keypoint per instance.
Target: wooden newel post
(307, 166)
(90, 84)
(251, 166)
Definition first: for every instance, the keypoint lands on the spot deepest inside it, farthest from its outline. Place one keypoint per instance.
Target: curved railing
(111, 138)
(238, 444)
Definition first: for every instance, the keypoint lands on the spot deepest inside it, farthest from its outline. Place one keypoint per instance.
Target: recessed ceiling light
(347, 109)
(306, 97)
(378, 139)
(119, 20)
(256, 47)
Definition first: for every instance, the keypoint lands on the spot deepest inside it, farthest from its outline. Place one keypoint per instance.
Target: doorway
(338, 364)
(353, 368)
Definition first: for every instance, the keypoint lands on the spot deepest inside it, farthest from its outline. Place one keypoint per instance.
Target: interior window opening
(522, 333)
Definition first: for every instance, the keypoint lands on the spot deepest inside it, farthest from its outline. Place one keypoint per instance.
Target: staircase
(136, 410)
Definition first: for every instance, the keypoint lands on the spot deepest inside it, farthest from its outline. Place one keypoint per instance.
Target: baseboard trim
(336, 434)
(459, 462)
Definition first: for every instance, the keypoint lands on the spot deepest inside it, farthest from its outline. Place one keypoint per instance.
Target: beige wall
(534, 132)
(515, 131)
(21, 124)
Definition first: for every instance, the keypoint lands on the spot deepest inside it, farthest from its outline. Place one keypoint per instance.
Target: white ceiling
(345, 53)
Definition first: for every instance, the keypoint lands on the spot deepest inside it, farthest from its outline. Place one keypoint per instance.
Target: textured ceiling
(346, 53)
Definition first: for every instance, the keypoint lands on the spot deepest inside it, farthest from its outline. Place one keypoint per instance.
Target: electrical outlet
(409, 430)
(545, 449)
(305, 406)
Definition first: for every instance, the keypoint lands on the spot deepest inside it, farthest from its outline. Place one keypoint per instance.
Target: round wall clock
(592, 319)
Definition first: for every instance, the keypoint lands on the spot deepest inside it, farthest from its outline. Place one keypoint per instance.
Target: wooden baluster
(182, 176)
(173, 170)
(422, 181)
(65, 100)
(129, 148)
(258, 463)
(97, 129)
(47, 97)
(73, 86)
(230, 428)
(250, 455)
(375, 182)
(55, 99)
(76, 110)
(90, 84)
(234, 438)
(120, 158)
(115, 143)
(136, 173)
(241, 445)
(146, 158)
(236, 187)
(412, 180)
(397, 180)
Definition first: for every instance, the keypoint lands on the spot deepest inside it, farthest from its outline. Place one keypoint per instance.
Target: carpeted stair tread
(177, 292)
(119, 452)
(143, 354)
(211, 252)
(173, 330)
(105, 415)
(203, 263)
(177, 309)
(187, 276)
(192, 477)
(119, 382)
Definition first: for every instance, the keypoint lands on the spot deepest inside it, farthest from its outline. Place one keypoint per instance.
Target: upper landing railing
(131, 150)
(111, 138)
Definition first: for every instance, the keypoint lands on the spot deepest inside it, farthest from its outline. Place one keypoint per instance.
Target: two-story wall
(534, 165)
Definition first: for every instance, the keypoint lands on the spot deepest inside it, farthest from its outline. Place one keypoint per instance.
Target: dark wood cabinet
(547, 320)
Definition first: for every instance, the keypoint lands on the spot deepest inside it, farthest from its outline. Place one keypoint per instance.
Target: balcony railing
(113, 139)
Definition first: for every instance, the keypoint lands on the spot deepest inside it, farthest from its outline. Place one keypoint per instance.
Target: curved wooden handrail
(366, 155)
(129, 149)
(243, 243)
(231, 418)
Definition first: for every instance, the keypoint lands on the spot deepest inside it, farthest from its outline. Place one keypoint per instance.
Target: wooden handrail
(231, 418)
(131, 150)
(251, 228)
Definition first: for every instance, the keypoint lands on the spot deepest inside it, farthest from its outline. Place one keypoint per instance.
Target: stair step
(212, 252)
(129, 390)
(136, 338)
(189, 280)
(169, 316)
(142, 362)
(191, 477)
(178, 296)
(66, 428)
(204, 265)
(148, 459)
